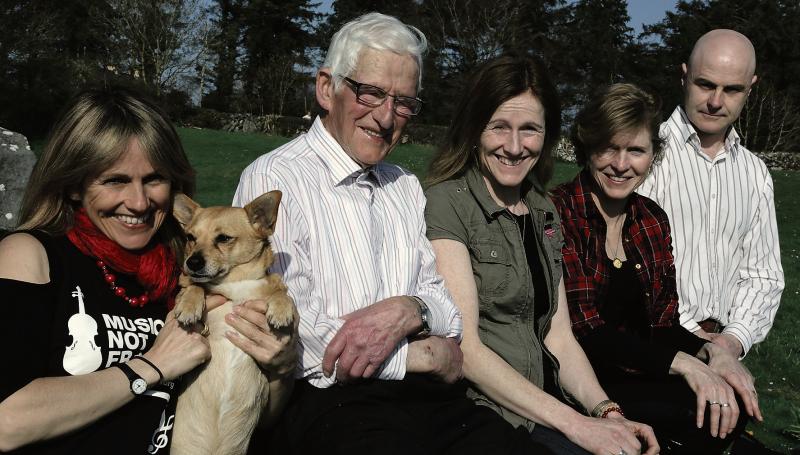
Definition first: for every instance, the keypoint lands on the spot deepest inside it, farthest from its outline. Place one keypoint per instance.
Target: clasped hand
(367, 338)
(615, 434)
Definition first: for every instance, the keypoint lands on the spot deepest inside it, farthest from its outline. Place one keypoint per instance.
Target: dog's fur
(228, 253)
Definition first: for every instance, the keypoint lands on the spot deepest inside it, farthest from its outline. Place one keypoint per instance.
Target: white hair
(374, 31)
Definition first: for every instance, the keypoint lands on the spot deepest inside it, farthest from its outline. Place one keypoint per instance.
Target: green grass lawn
(220, 157)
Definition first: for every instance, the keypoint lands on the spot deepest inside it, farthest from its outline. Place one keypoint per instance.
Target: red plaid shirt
(646, 241)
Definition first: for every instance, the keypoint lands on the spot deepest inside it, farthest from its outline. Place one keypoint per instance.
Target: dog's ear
(263, 211)
(183, 208)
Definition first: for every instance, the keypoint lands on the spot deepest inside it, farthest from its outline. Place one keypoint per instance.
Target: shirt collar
(689, 135)
(342, 168)
(580, 188)
(477, 186)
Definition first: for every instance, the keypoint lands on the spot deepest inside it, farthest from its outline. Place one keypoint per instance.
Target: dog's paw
(189, 305)
(280, 312)
(188, 316)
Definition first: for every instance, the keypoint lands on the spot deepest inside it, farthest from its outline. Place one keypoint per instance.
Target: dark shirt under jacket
(616, 341)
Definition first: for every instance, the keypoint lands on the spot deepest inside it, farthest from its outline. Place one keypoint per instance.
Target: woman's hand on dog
(275, 351)
(177, 350)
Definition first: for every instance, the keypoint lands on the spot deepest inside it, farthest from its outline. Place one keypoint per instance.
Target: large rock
(16, 163)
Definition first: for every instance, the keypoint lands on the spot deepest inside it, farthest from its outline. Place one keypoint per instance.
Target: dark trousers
(556, 441)
(416, 415)
(669, 406)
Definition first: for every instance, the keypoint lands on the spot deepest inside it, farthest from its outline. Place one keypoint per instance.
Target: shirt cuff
(394, 367)
(689, 324)
(740, 331)
(443, 323)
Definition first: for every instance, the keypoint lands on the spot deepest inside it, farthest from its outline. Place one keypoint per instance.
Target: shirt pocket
(492, 267)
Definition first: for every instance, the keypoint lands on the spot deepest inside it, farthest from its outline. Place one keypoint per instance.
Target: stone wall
(288, 126)
(16, 163)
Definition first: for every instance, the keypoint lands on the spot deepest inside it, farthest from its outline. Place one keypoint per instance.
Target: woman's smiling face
(623, 165)
(129, 201)
(512, 142)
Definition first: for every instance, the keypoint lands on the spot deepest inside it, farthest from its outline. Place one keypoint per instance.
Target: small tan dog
(228, 253)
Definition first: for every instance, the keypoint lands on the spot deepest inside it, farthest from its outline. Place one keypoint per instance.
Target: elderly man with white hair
(380, 362)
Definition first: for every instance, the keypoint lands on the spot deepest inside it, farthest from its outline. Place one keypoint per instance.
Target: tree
(597, 52)
(276, 35)
(45, 58)
(772, 113)
(158, 42)
(225, 46)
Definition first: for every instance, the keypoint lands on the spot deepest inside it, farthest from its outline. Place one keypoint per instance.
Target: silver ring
(725, 405)
(205, 330)
(622, 451)
(712, 403)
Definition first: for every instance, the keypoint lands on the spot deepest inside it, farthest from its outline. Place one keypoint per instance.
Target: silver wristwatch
(425, 316)
(138, 384)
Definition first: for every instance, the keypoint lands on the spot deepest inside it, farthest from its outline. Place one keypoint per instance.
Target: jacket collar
(534, 199)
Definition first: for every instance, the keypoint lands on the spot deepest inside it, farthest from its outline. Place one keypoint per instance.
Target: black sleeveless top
(76, 325)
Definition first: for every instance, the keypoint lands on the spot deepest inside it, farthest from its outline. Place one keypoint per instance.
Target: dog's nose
(195, 263)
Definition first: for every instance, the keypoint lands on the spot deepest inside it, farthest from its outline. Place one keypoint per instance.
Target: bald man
(719, 198)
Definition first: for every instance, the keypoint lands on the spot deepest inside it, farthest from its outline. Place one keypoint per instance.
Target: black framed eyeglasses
(375, 96)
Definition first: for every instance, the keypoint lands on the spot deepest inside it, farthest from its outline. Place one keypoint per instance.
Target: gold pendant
(617, 263)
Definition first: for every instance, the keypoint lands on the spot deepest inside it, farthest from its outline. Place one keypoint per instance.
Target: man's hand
(368, 336)
(724, 340)
(728, 342)
(703, 334)
(441, 357)
(727, 366)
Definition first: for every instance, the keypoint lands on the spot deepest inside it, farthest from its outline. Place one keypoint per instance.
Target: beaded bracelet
(611, 409)
(604, 408)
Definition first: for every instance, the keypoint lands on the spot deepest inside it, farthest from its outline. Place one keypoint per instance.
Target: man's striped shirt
(346, 237)
(725, 235)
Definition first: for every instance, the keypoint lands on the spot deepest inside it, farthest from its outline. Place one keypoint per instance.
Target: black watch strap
(137, 384)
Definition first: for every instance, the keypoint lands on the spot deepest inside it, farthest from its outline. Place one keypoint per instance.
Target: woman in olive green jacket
(498, 240)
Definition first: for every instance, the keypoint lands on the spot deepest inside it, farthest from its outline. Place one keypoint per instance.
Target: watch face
(138, 386)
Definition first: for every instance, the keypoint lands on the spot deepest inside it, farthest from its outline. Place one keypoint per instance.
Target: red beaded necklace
(119, 291)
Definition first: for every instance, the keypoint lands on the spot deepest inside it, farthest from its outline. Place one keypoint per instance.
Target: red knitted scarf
(154, 266)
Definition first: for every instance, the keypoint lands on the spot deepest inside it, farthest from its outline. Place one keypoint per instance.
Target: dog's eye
(190, 237)
(222, 238)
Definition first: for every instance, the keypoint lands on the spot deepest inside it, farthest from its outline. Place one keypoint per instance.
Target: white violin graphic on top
(83, 355)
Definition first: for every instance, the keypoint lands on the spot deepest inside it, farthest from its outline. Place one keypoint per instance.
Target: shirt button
(493, 254)
(638, 266)
(713, 196)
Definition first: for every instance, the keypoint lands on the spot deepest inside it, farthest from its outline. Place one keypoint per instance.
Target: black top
(540, 306)
(76, 325)
(626, 345)
(623, 308)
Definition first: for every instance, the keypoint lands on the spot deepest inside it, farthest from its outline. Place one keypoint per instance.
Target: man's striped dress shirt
(725, 235)
(346, 237)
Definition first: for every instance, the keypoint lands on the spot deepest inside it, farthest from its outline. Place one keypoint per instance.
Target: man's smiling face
(368, 134)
